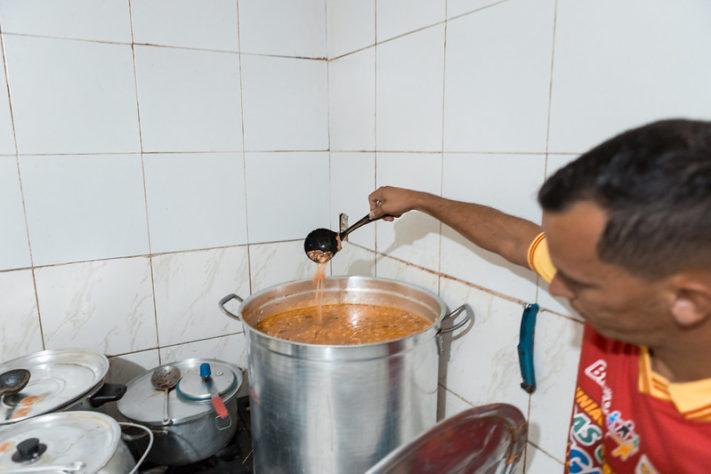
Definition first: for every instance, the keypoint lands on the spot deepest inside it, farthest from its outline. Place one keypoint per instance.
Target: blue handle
(525, 347)
(205, 370)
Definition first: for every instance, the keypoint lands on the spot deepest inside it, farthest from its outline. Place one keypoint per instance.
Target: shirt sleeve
(539, 259)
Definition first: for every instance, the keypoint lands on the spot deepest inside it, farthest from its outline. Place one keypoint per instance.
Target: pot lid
(144, 404)
(193, 385)
(60, 439)
(57, 379)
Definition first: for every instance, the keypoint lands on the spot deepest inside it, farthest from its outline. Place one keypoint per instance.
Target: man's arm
(488, 228)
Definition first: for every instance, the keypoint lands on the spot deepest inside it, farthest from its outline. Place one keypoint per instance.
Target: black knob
(29, 449)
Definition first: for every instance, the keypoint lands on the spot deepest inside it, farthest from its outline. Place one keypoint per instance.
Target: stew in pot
(343, 324)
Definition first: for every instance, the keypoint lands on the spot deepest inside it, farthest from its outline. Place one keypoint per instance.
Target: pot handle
(224, 301)
(468, 315)
(148, 448)
(109, 392)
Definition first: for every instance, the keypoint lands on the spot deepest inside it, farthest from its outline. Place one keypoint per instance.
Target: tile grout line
(244, 154)
(441, 156)
(215, 152)
(177, 344)
(22, 189)
(166, 46)
(143, 176)
(328, 131)
(375, 129)
(417, 30)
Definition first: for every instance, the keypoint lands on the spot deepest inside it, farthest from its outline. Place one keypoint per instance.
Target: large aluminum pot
(340, 409)
(74, 441)
(60, 379)
(193, 431)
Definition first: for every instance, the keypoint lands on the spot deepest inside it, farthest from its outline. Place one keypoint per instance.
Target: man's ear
(692, 299)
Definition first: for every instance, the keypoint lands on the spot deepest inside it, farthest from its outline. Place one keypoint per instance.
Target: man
(626, 238)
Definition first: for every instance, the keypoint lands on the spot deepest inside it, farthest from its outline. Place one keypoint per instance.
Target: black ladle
(13, 381)
(322, 244)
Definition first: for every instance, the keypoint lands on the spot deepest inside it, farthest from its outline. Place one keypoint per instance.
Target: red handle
(220, 407)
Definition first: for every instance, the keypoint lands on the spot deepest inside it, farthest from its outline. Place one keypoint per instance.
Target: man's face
(617, 304)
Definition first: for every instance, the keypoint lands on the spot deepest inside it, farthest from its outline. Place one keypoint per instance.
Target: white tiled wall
(156, 155)
(480, 100)
(144, 147)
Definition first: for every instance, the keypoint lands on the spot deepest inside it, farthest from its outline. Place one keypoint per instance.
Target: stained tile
(19, 322)
(105, 306)
(352, 180)
(350, 25)
(278, 263)
(232, 349)
(187, 288)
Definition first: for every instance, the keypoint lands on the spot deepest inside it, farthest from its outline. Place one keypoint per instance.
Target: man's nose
(558, 288)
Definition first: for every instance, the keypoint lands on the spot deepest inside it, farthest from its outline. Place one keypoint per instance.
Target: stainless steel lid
(62, 439)
(144, 404)
(193, 387)
(57, 378)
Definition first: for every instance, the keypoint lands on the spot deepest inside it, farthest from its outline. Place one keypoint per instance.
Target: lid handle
(205, 370)
(29, 449)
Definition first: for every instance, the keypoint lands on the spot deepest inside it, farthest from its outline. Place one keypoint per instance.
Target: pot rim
(372, 349)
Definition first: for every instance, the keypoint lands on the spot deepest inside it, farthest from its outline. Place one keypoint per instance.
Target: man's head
(641, 206)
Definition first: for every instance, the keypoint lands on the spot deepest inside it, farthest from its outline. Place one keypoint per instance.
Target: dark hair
(654, 182)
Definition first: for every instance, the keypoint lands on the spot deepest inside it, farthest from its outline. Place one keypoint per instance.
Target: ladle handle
(357, 225)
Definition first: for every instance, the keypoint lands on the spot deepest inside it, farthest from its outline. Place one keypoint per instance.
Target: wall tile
(274, 264)
(413, 237)
(469, 178)
(189, 100)
(538, 462)
(128, 366)
(283, 27)
(614, 70)
(7, 138)
(350, 25)
(14, 248)
(195, 200)
(353, 260)
(189, 285)
(458, 7)
(409, 92)
(396, 17)
(19, 322)
(352, 179)
(483, 360)
(498, 78)
(352, 101)
(208, 25)
(104, 306)
(72, 96)
(556, 354)
(285, 104)
(231, 349)
(80, 19)
(392, 269)
(284, 198)
(84, 207)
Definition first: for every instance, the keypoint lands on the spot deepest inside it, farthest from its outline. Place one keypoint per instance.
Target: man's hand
(392, 202)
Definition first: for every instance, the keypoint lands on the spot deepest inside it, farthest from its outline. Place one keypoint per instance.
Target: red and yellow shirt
(627, 418)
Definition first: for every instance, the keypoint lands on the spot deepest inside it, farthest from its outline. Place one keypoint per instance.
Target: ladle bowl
(13, 381)
(165, 378)
(322, 244)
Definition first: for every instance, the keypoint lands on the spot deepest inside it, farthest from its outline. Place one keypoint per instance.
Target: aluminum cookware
(339, 409)
(60, 379)
(73, 441)
(193, 431)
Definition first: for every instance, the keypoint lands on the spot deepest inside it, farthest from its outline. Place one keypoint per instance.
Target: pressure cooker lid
(144, 403)
(59, 439)
(57, 379)
(193, 386)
